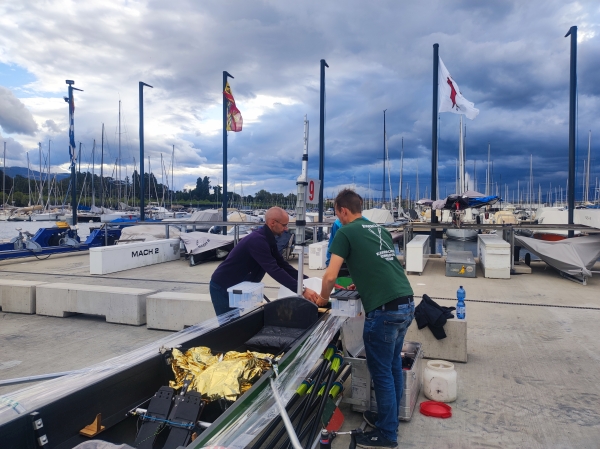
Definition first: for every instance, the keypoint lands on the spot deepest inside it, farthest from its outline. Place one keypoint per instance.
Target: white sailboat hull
(461, 234)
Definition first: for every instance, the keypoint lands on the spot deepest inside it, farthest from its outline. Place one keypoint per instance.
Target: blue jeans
(383, 336)
(220, 298)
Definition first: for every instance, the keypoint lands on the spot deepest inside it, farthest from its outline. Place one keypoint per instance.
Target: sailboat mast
(461, 165)
(28, 180)
(587, 173)
(162, 178)
(49, 180)
(4, 177)
(530, 181)
(384, 151)
(102, 170)
(487, 175)
(149, 181)
(119, 159)
(368, 205)
(172, 180)
(133, 184)
(417, 191)
(93, 174)
(387, 158)
(40, 149)
(401, 173)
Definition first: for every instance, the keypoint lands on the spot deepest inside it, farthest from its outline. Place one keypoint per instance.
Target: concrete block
(118, 304)
(452, 348)
(173, 310)
(18, 296)
(111, 259)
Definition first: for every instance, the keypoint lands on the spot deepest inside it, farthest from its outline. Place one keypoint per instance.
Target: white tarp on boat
(206, 215)
(379, 216)
(147, 233)
(575, 256)
(199, 242)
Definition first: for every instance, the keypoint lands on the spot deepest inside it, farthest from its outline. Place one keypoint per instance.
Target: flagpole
(321, 146)
(141, 101)
(224, 197)
(572, 123)
(434, 144)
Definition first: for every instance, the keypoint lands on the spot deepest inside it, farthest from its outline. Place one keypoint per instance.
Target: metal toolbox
(363, 395)
(460, 264)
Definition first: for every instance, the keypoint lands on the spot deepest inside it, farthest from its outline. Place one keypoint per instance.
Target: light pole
(141, 87)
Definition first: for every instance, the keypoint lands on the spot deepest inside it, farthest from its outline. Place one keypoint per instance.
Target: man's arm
(331, 274)
(261, 252)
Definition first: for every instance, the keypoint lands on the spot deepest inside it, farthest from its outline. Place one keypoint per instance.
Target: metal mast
(72, 152)
(572, 125)
(302, 183)
(322, 144)
(384, 159)
(141, 102)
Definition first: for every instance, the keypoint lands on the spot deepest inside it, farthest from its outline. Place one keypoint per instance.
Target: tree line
(20, 191)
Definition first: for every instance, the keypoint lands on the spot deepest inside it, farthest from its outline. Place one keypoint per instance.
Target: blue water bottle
(461, 311)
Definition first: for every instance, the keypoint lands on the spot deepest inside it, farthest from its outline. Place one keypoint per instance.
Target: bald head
(277, 220)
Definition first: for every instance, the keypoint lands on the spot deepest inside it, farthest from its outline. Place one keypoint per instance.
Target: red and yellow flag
(234, 116)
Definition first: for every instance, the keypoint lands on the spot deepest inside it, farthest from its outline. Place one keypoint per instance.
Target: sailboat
(457, 233)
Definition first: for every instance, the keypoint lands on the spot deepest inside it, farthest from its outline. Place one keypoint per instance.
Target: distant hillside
(22, 171)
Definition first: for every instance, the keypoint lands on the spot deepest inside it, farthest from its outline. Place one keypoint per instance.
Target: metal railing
(184, 226)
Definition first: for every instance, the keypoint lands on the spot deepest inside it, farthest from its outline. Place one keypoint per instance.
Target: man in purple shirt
(255, 255)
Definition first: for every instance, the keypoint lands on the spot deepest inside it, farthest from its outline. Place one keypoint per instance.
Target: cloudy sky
(509, 57)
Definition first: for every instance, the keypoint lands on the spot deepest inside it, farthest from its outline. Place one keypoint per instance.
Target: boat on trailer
(120, 393)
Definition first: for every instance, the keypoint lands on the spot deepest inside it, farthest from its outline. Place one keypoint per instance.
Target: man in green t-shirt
(387, 298)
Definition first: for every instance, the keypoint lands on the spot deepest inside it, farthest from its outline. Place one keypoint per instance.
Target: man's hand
(311, 295)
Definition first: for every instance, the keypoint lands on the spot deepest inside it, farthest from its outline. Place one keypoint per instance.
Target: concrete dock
(532, 378)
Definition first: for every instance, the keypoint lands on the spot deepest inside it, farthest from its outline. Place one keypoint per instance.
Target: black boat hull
(115, 395)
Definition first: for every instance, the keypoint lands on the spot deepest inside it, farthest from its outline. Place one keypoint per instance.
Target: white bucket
(439, 381)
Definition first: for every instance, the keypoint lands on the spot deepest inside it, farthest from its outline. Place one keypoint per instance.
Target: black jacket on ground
(429, 313)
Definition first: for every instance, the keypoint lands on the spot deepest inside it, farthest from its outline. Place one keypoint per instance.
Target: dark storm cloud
(14, 116)
(509, 57)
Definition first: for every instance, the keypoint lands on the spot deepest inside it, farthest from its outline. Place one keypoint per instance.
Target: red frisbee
(435, 409)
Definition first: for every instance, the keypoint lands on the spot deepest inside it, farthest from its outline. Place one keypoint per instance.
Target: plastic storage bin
(245, 295)
(346, 303)
(317, 255)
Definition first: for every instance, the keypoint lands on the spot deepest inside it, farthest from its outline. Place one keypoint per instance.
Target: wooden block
(93, 429)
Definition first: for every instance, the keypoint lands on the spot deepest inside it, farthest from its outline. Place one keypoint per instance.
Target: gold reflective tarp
(214, 377)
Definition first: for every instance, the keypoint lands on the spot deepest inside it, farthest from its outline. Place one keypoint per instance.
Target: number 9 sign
(312, 190)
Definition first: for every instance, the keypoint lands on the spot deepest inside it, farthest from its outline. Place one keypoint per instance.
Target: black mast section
(572, 126)
(322, 145)
(434, 144)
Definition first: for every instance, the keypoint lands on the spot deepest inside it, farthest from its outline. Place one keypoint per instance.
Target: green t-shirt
(369, 252)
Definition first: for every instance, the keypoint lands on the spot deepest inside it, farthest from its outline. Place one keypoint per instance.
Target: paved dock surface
(532, 378)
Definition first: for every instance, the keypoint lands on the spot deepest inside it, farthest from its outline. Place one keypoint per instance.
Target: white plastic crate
(317, 255)
(245, 295)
